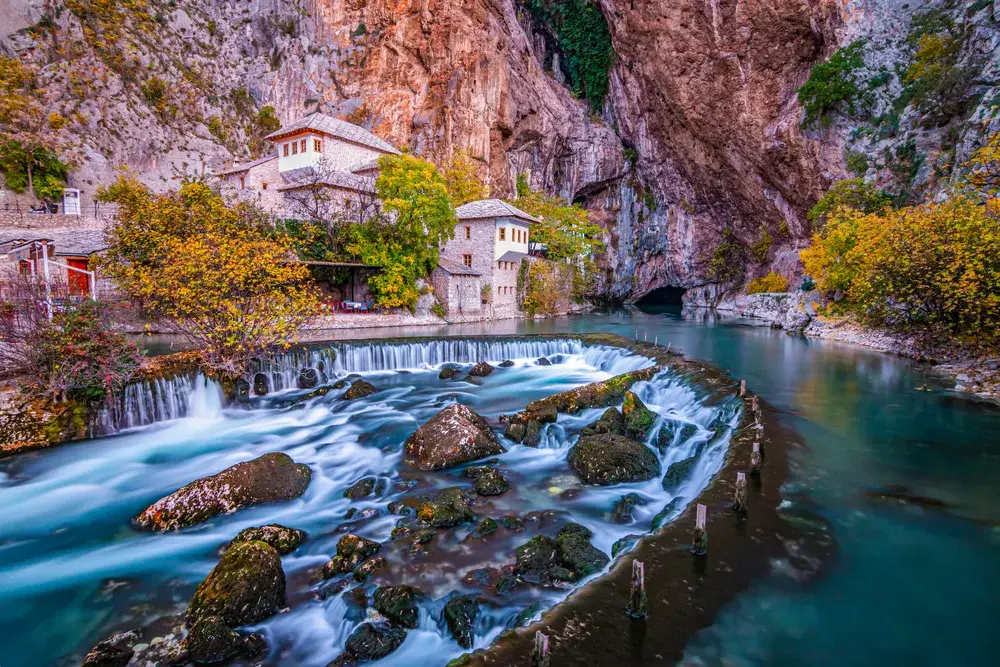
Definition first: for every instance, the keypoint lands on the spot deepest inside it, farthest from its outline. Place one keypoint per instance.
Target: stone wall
(460, 296)
(24, 220)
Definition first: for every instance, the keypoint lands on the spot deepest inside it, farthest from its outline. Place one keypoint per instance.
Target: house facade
(64, 253)
(318, 163)
(491, 240)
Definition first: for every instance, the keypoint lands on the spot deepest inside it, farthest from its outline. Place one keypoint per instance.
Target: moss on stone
(638, 418)
(283, 540)
(247, 586)
(460, 614)
(612, 459)
(398, 604)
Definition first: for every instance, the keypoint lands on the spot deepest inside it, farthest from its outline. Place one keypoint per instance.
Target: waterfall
(161, 399)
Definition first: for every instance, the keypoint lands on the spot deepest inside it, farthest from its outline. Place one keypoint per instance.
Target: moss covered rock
(611, 422)
(453, 436)
(542, 361)
(460, 614)
(638, 418)
(577, 554)
(247, 586)
(625, 507)
(398, 604)
(506, 363)
(267, 479)
(115, 651)
(491, 483)
(534, 558)
(359, 389)
(308, 378)
(352, 551)
(361, 488)
(211, 641)
(677, 472)
(261, 384)
(482, 369)
(447, 509)
(370, 642)
(612, 459)
(449, 372)
(283, 540)
(485, 527)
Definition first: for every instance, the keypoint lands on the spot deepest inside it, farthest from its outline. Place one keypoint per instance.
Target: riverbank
(801, 312)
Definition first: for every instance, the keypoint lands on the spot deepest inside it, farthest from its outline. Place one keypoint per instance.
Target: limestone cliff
(699, 140)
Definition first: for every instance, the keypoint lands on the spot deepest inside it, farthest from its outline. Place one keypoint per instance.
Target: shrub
(541, 295)
(761, 246)
(462, 177)
(941, 87)
(772, 282)
(832, 83)
(851, 193)
(438, 309)
(857, 163)
(729, 258)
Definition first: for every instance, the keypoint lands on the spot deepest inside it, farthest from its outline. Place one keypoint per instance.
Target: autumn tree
(215, 273)
(417, 218)
(564, 230)
(29, 159)
(462, 178)
(984, 166)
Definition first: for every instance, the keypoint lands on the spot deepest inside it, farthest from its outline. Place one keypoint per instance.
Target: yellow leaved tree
(217, 274)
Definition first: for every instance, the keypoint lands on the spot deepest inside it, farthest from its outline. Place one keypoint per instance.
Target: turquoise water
(913, 583)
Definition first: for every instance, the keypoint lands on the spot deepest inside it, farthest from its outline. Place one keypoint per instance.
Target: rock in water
(612, 459)
(612, 421)
(373, 641)
(485, 527)
(638, 418)
(622, 512)
(361, 488)
(535, 557)
(448, 372)
(453, 436)
(507, 363)
(576, 553)
(308, 378)
(247, 586)
(542, 361)
(115, 651)
(261, 383)
(449, 508)
(284, 540)
(352, 550)
(482, 369)
(677, 473)
(460, 613)
(211, 641)
(491, 483)
(398, 604)
(359, 389)
(267, 479)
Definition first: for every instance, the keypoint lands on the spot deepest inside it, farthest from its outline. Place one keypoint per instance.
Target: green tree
(417, 219)
(832, 83)
(853, 193)
(564, 230)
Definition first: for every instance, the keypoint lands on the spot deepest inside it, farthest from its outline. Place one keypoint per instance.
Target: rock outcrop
(267, 479)
(453, 436)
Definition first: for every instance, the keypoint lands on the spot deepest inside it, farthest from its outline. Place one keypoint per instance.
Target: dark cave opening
(662, 296)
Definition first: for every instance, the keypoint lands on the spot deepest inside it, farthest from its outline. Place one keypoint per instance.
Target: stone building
(320, 164)
(68, 251)
(491, 239)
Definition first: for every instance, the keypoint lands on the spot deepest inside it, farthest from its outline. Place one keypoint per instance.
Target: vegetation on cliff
(212, 271)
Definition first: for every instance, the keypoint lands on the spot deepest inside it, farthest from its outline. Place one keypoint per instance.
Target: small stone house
(22, 252)
(491, 239)
(316, 152)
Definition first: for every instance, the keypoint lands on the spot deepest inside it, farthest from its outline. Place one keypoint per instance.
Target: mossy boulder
(370, 642)
(506, 363)
(677, 472)
(612, 459)
(534, 558)
(359, 389)
(398, 604)
(454, 436)
(460, 614)
(491, 483)
(361, 488)
(542, 361)
(211, 640)
(625, 507)
(577, 554)
(283, 540)
(449, 372)
(115, 651)
(447, 509)
(247, 586)
(638, 418)
(261, 384)
(308, 378)
(482, 369)
(352, 551)
(612, 422)
(270, 478)
(485, 527)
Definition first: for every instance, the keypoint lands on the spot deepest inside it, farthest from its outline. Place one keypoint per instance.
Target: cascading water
(74, 543)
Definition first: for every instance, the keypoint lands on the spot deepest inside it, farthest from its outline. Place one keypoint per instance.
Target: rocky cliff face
(699, 141)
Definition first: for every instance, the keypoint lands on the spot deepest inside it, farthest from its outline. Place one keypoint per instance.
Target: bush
(761, 246)
(728, 260)
(832, 83)
(772, 282)
(438, 309)
(851, 193)
(935, 266)
(941, 87)
(565, 229)
(541, 294)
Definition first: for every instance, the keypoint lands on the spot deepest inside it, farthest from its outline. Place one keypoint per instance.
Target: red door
(79, 283)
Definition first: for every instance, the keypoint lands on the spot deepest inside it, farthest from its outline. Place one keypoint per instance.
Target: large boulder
(211, 641)
(247, 586)
(115, 651)
(460, 613)
(267, 479)
(453, 436)
(567, 558)
(284, 540)
(576, 553)
(370, 642)
(359, 389)
(638, 418)
(398, 604)
(482, 369)
(352, 551)
(612, 459)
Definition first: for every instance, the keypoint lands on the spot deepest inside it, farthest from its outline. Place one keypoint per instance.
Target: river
(915, 580)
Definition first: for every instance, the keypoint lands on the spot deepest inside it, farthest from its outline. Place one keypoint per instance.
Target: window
(302, 146)
(467, 260)
(295, 148)
(285, 149)
(503, 233)
(318, 145)
(243, 183)
(264, 185)
(468, 232)
(518, 234)
(525, 236)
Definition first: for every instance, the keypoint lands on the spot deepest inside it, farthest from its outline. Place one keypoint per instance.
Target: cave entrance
(663, 297)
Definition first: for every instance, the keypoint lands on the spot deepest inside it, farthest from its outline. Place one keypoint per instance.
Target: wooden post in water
(699, 540)
(637, 599)
(656, 341)
(755, 459)
(740, 497)
(743, 388)
(645, 336)
(540, 651)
